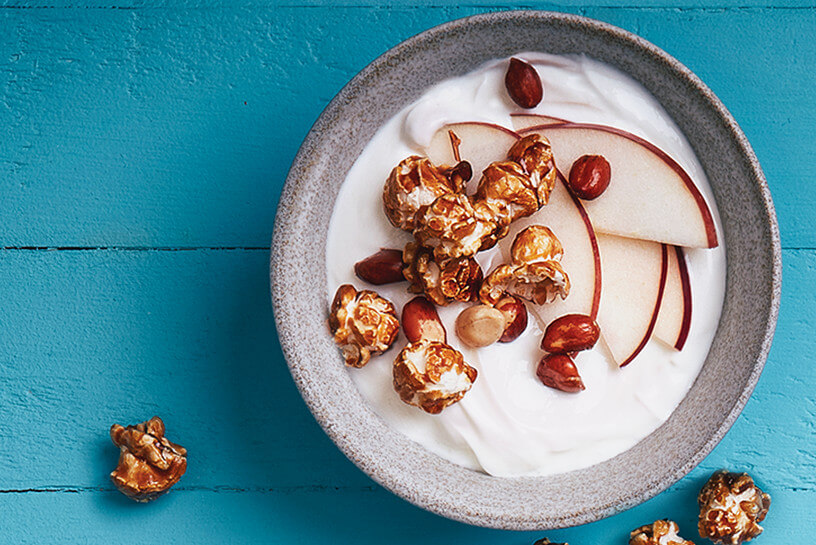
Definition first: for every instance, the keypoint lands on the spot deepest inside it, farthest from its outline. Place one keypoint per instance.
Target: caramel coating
(432, 375)
(518, 187)
(413, 184)
(149, 464)
(454, 280)
(731, 508)
(508, 191)
(535, 272)
(660, 532)
(534, 154)
(452, 228)
(536, 243)
(363, 324)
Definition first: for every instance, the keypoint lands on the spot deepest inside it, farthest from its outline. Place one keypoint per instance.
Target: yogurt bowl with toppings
(432, 205)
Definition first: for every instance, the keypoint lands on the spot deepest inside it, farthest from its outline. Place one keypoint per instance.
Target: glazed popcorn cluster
(731, 506)
(449, 227)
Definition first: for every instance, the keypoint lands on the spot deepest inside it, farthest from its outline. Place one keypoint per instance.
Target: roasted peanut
(589, 176)
(384, 267)
(523, 84)
(480, 325)
(515, 317)
(558, 371)
(421, 321)
(570, 333)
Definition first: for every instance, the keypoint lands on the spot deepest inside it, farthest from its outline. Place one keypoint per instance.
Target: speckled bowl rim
(354, 441)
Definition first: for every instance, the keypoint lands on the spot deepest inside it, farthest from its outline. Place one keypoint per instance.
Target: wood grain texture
(175, 128)
(159, 135)
(96, 337)
(343, 517)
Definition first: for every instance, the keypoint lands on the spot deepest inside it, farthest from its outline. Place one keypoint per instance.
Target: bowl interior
(298, 277)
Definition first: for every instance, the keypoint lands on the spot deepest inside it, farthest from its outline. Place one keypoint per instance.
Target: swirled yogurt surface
(509, 424)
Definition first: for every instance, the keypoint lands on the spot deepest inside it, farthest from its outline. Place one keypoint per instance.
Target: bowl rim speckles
(300, 299)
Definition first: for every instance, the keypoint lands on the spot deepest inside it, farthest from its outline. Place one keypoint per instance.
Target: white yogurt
(509, 424)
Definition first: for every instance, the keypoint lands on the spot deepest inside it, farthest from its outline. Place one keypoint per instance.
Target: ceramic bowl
(299, 292)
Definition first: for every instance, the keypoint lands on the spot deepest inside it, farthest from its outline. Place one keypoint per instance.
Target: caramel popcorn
(451, 226)
(519, 186)
(508, 191)
(535, 156)
(661, 532)
(413, 184)
(363, 324)
(731, 508)
(535, 272)
(454, 280)
(149, 464)
(432, 375)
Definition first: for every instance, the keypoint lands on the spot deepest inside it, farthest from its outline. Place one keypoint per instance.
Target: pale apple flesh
(650, 196)
(634, 288)
(634, 279)
(481, 144)
(674, 318)
(523, 120)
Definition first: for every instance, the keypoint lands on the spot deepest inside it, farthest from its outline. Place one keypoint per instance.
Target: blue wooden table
(143, 146)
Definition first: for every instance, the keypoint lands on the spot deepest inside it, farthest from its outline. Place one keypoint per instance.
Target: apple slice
(565, 215)
(524, 120)
(649, 197)
(481, 144)
(674, 318)
(634, 274)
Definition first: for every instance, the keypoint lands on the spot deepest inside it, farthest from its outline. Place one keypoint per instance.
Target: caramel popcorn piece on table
(413, 184)
(535, 272)
(149, 464)
(731, 508)
(363, 324)
(432, 375)
(453, 280)
(452, 227)
(660, 532)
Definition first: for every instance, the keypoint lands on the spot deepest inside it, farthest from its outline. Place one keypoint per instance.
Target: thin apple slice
(565, 216)
(674, 318)
(481, 144)
(634, 279)
(649, 197)
(524, 120)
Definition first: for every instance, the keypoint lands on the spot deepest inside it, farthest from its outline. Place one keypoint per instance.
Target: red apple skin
(664, 274)
(708, 220)
(686, 283)
(558, 371)
(596, 251)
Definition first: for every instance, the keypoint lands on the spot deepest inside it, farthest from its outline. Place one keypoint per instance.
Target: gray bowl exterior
(299, 294)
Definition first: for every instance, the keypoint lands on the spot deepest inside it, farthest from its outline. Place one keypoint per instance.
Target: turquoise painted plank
(93, 338)
(400, 4)
(161, 127)
(96, 337)
(353, 517)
